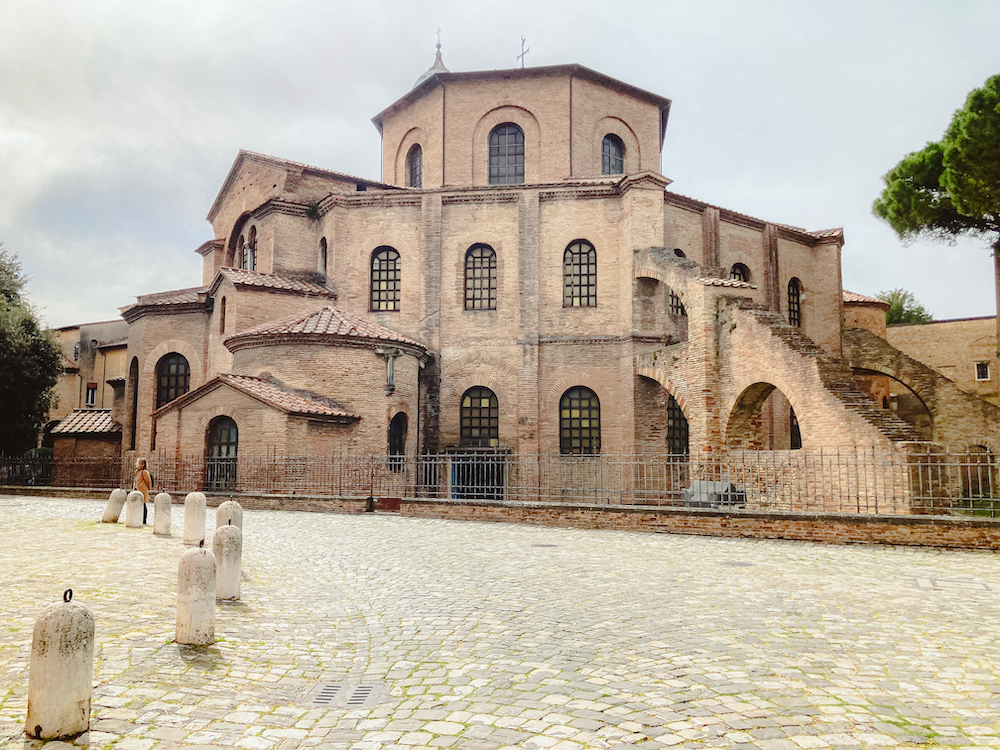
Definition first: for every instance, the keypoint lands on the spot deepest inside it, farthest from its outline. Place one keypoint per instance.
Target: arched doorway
(897, 396)
(763, 419)
(221, 450)
(397, 441)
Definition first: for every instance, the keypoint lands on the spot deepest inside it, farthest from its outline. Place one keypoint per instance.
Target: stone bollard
(227, 543)
(194, 519)
(196, 598)
(133, 510)
(113, 510)
(162, 504)
(61, 671)
(229, 512)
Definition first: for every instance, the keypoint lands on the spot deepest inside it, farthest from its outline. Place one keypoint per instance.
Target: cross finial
(439, 38)
(523, 52)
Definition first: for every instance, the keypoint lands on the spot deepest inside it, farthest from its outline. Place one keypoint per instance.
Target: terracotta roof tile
(173, 297)
(283, 399)
(732, 283)
(240, 277)
(89, 421)
(855, 298)
(331, 322)
(69, 364)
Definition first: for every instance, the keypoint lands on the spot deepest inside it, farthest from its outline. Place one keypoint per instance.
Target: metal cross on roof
(523, 52)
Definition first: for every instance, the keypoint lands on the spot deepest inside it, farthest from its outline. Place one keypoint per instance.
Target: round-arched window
(612, 155)
(507, 155)
(173, 378)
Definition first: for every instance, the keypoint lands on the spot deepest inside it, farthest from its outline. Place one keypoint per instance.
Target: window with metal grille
(676, 306)
(480, 415)
(580, 275)
(795, 302)
(173, 377)
(415, 166)
(397, 441)
(480, 278)
(982, 370)
(385, 280)
(223, 444)
(580, 422)
(677, 429)
(795, 434)
(740, 272)
(507, 155)
(612, 155)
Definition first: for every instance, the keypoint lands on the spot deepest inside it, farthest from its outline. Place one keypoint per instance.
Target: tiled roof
(239, 277)
(69, 364)
(283, 399)
(91, 421)
(855, 298)
(173, 297)
(116, 382)
(732, 283)
(329, 321)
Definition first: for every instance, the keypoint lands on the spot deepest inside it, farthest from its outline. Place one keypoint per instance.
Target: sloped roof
(853, 298)
(87, 421)
(282, 398)
(69, 365)
(254, 279)
(159, 300)
(326, 323)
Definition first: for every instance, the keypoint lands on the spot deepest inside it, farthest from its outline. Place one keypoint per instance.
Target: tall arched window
(580, 422)
(794, 433)
(222, 316)
(507, 155)
(580, 275)
(321, 263)
(173, 378)
(415, 166)
(385, 280)
(677, 428)
(248, 251)
(133, 384)
(795, 302)
(480, 426)
(740, 272)
(397, 441)
(239, 257)
(612, 155)
(480, 278)
(220, 463)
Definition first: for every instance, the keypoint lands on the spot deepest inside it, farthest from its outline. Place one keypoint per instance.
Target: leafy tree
(904, 308)
(30, 362)
(952, 187)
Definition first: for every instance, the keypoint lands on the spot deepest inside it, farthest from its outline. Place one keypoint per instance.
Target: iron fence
(920, 479)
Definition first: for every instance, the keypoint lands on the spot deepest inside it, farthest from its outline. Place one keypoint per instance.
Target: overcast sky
(120, 120)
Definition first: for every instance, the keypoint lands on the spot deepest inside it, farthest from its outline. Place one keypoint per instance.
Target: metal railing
(921, 479)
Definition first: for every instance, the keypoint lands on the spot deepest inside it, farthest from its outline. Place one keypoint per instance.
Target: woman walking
(144, 483)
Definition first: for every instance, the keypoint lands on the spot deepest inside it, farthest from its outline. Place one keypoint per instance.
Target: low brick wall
(828, 528)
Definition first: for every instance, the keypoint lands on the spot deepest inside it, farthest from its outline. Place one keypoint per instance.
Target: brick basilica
(523, 279)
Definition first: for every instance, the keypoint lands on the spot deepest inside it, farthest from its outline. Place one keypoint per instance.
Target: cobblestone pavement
(488, 636)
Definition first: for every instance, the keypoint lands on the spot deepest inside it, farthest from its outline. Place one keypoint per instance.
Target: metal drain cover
(345, 694)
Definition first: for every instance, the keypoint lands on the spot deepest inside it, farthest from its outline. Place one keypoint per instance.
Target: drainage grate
(346, 694)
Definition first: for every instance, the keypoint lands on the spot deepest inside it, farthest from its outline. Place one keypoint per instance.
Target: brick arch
(562, 385)
(238, 228)
(485, 380)
(991, 444)
(897, 374)
(480, 145)
(616, 126)
(742, 413)
(402, 407)
(169, 347)
(667, 384)
(589, 234)
(411, 137)
(676, 282)
(240, 415)
(479, 356)
(462, 246)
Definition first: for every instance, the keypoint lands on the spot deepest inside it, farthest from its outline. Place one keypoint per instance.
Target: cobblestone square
(488, 636)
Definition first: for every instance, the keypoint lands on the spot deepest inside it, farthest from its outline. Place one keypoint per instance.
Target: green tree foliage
(30, 362)
(951, 187)
(904, 308)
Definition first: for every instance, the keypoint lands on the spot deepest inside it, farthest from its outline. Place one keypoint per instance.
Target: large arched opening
(763, 419)
(892, 393)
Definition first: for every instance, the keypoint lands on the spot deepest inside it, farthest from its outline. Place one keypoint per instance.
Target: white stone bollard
(227, 543)
(229, 512)
(133, 510)
(61, 671)
(113, 510)
(162, 504)
(196, 598)
(194, 519)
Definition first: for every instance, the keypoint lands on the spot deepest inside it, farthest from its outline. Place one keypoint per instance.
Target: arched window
(795, 434)
(239, 257)
(740, 272)
(222, 316)
(133, 384)
(173, 378)
(677, 428)
(580, 275)
(248, 251)
(480, 426)
(795, 302)
(385, 280)
(612, 155)
(480, 278)
(220, 463)
(507, 155)
(321, 265)
(397, 441)
(415, 166)
(580, 422)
